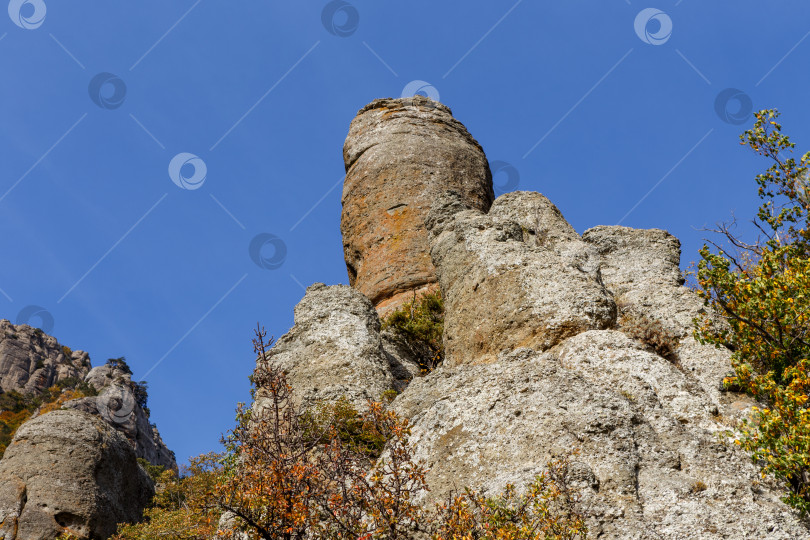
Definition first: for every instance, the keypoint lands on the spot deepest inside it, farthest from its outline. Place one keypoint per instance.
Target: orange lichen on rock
(400, 154)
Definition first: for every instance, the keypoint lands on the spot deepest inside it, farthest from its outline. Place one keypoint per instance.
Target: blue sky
(614, 120)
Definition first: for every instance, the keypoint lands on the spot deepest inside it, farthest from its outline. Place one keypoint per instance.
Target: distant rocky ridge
(73, 470)
(537, 364)
(31, 361)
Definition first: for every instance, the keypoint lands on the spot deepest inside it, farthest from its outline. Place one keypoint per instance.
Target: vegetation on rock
(762, 289)
(650, 333)
(17, 408)
(336, 473)
(420, 323)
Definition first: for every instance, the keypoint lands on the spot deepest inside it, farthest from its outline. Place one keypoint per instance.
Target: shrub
(547, 510)
(761, 289)
(651, 333)
(67, 351)
(120, 363)
(324, 475)
(420, 323)
(154, 471)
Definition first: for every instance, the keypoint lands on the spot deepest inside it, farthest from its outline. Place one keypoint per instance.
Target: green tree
(762, 290)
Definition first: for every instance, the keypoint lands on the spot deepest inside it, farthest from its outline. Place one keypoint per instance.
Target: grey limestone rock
(334, 349)
(67, 471)
(31, 361)
(506, 287)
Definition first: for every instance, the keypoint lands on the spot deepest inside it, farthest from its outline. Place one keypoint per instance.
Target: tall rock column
(400, 154)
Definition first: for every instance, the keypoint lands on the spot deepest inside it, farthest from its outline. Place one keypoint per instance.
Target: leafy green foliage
(547, 509)
(421, 323)
(154, 471)
(762, 289)
(182, 508)
(120, 363)
(344, 421)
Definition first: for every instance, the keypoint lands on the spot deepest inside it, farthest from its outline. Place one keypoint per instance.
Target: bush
(324, 475)
(420, 323)
(651, 334)
(154, 471)
(547, 510)
(120, 363)
(16, 408)
(762, 291)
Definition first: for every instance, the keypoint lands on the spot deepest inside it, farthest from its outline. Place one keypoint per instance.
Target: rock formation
(67, 471)
(508, 284)
(536, 363)
(335, 349)
(117, 405)
(31, 361)
(399, 155)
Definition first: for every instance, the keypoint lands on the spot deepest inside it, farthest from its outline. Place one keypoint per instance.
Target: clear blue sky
(587, 107)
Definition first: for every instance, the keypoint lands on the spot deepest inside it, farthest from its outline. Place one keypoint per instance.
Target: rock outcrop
(334, 349)
(652, 464)
(519, 276)
(31, 361)
(537, 364)
(399, 155)
(118, 405)
(67, 471)
(641, 269)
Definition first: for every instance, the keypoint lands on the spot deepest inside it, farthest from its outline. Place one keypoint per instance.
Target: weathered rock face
(117, 405)
(652, 462)
(641, 268)
(399, 155)
(536, 365)
(519, 276)
(31, 361)
(69, 471)
(334, 350)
